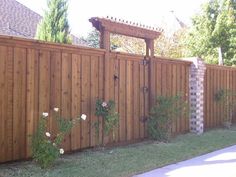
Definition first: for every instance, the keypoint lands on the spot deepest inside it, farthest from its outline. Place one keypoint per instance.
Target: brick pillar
(196, 89)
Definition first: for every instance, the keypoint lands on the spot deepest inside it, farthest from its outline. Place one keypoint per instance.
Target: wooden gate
(129, 89)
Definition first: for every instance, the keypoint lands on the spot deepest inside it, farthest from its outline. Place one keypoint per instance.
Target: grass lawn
(129, 160)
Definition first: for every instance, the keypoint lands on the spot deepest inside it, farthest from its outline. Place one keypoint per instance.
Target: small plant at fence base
(228, 98)
(46, 148)
(165, 110)
(106, 111)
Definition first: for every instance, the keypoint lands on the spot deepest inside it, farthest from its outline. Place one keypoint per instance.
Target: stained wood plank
(141, 103)
(101, 87)
(32, 64)
(66, 94)
(163, 80)
(208, 99)
(135, 101)
(4, 142)
(182, 92)
(9, 109)
(116, 95)
(76, 101)
(146, 98)
(111, 137)
(122, 100)
(129, 94)
(44, 81)
(93, 99)
(173, 93)
(158, 79)
(19, 104)
(85, 125)
(55, 88)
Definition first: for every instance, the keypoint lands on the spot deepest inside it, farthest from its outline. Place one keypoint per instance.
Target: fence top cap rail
(177, 60)
(114, 53)
(221, 66)
(125, 27)
(28, 41)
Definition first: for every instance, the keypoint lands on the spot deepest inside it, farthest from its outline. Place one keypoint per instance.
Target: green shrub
(165, 110)
(46, 148)
(106, 110)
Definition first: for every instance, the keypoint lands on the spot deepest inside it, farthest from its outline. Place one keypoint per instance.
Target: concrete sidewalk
(221, 163)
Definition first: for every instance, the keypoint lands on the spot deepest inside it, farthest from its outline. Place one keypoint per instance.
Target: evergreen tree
(54, 27)
(214, 27)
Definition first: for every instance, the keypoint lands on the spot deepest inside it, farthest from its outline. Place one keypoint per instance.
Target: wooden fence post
(105, 44)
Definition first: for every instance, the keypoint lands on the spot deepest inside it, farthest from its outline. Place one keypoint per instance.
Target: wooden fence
(35, 77)
(217, 78)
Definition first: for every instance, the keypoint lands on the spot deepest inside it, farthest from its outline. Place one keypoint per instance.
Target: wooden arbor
(106, 26)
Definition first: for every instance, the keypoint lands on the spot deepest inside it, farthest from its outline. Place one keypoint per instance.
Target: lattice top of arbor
(126, 28)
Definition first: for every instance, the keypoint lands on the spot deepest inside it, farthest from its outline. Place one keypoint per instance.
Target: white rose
(45, 114)
(104, 104)
(61, 151)
(56, 109)
(83, 116)
(47, 134)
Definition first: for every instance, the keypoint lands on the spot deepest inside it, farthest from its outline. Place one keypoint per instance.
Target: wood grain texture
(37, 77)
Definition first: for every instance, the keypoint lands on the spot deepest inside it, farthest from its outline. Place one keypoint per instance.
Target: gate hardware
(144, 61)
(145, 89)
(116, 77)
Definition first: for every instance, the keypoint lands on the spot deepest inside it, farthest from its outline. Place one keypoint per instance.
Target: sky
(155, 13)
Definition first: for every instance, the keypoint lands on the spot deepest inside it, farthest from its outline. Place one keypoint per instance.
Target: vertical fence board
(9, 100)
(55, 88)
(146, 98)
(135, 101)
(178, 91)
(32, 64)
(76, 100)
(94, 97)
(141, 103)
(112, 91)
(19, 104)
(174, 92)
(101, 94)
(85, 101)
(3, 58)
(66, 94)
(122, 102)
(128, 100)
(116, 96)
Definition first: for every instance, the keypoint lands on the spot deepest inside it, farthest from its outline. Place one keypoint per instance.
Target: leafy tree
(212, 29)
(127, 44)
(168, 46)
(54, 27)
(172, 46)
(118, 42)
(92, 40)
